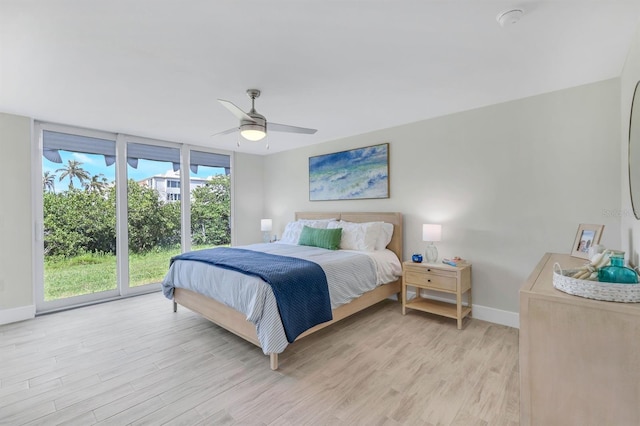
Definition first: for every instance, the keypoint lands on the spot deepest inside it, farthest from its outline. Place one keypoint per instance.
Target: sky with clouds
(95, 165)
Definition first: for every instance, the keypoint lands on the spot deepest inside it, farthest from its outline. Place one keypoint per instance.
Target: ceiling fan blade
(240, 114)
(226, 132)
(291, 129)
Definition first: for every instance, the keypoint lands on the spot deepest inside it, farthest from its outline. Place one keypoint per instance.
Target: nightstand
(440, 278)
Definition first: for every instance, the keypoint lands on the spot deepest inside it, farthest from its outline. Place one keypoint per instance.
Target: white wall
(508, 182)
(16, 289)
(630, 228)
(248, 199)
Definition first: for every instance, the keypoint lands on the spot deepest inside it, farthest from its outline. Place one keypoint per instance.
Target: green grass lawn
(91, 273)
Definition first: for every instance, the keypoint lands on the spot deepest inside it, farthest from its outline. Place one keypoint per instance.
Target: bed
(221, 313)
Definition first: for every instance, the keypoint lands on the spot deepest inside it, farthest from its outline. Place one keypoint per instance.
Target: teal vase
(617, 272)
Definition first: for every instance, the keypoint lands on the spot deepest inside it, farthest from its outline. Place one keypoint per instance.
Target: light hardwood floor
(134, 361)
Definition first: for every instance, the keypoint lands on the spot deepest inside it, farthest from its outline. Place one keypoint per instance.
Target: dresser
(579, 358)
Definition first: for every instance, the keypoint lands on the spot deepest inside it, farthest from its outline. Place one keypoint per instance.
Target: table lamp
(265, 226)
(431, 233)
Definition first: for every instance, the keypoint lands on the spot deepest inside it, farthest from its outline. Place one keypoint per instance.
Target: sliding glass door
(210, 187)
(153, 211)
(113, 209)
(78, 222)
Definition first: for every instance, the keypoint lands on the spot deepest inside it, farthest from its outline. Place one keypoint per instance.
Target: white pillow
(292, 231)
(358, 236)
(317, 223)
(384, 238)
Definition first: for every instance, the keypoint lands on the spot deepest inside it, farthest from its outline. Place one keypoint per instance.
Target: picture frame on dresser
(587, 236)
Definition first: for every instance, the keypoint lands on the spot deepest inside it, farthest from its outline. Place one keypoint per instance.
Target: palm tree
(73, 170)
(98, 183)
(49, 182)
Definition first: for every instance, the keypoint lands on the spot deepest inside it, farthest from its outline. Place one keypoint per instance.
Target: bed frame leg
(273, 359)
(175, 306)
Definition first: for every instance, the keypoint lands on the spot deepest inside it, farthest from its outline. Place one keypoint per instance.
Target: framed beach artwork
(357, 174)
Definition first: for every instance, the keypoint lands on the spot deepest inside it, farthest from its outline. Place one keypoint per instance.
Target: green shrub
(77, 222)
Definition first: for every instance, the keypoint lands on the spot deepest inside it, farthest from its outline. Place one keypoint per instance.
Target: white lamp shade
(266, 224)
(431, 232)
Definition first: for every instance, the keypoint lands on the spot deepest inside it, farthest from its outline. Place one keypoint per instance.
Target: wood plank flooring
(136, 362)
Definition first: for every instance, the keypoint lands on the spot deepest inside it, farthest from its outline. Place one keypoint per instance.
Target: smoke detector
(509, 17)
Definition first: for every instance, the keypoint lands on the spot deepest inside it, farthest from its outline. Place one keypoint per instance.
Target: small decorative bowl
(417, 258)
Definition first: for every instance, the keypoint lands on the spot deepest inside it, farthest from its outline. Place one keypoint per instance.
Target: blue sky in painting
(368, 156)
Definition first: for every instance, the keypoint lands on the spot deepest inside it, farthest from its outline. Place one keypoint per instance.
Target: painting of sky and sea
(350, 175)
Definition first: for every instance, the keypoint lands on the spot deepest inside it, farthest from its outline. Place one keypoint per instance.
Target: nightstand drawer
(423, 269)
(441, 282)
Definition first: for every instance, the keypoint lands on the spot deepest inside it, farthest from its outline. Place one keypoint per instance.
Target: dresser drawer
(427, 279)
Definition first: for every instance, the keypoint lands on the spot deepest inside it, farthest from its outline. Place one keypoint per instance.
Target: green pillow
(323, 238)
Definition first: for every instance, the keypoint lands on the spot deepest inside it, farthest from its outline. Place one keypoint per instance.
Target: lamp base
(266, 238)
(431, 254)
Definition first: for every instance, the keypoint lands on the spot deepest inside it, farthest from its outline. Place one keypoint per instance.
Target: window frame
(122, 262)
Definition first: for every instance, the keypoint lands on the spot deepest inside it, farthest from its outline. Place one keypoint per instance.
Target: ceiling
(155, 68)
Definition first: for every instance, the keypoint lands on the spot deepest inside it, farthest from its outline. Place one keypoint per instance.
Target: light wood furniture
(579, 358)
(437, 277)
(237, 323)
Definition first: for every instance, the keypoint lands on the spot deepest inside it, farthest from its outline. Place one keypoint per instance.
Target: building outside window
(168, 184)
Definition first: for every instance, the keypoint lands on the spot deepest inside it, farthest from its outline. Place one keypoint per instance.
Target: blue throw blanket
(300, 286)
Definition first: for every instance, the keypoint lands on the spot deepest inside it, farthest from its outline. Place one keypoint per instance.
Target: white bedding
(349, 275)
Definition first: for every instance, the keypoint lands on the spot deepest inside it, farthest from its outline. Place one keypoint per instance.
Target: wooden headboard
(394, 218)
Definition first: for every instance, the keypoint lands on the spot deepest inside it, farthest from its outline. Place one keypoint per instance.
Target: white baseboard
(17, 314)
(496, 316)
(484, 313)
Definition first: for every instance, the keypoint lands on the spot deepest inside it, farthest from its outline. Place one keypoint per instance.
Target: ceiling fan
(253, 126)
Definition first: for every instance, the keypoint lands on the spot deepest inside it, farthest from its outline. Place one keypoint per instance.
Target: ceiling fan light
(252, 132)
